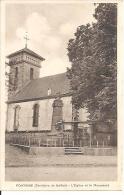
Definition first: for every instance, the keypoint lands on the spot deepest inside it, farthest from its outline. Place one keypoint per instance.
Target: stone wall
(112, 151)
(47, 151)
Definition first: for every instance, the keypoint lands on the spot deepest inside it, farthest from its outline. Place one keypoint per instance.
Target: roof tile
(26, 50)
(38, 88)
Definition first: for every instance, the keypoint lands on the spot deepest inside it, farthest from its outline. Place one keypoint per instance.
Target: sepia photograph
(61, 92)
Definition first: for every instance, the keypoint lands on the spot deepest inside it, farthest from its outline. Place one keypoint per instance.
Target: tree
(10, 81)
(93, 55)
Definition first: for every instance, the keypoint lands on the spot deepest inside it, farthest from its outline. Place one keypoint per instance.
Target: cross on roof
(26, 40)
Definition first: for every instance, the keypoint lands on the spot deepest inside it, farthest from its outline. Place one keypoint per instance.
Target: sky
(49, 27)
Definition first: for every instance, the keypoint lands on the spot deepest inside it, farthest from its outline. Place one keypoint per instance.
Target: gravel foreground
(61, 174)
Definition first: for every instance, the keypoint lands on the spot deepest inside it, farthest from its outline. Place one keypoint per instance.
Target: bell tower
(24, 67)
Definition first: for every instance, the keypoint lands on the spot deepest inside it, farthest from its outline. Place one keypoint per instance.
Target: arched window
(16, 118)
(35, 115)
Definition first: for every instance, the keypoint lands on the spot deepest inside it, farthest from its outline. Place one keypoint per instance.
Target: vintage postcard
(61, 100)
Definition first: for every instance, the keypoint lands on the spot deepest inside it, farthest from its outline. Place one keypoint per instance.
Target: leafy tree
(93, 55)
(9, 82)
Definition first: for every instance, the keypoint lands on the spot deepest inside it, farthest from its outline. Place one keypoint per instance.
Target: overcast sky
(49, 26)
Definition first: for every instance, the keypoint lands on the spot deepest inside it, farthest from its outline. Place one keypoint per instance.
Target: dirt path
(15, 157)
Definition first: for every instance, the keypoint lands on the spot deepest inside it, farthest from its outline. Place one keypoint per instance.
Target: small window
(35, 115)
(31, 73)
(16, 72)
(49, 91)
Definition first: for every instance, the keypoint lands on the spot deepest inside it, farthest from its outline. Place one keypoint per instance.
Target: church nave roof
(57, 84)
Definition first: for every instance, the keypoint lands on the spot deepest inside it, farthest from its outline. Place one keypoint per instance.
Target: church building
(43, 106)
(34, 103)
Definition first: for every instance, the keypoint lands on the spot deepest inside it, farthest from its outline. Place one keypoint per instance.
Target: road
(61, 173)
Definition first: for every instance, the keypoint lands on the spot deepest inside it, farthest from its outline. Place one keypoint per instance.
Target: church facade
(34, 103)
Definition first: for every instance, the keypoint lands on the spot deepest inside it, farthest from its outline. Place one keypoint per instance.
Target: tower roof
(28, 51)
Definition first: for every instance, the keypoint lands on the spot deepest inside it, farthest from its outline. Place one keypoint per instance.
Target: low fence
(41, 139)
(40, 142)
(31, 139)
